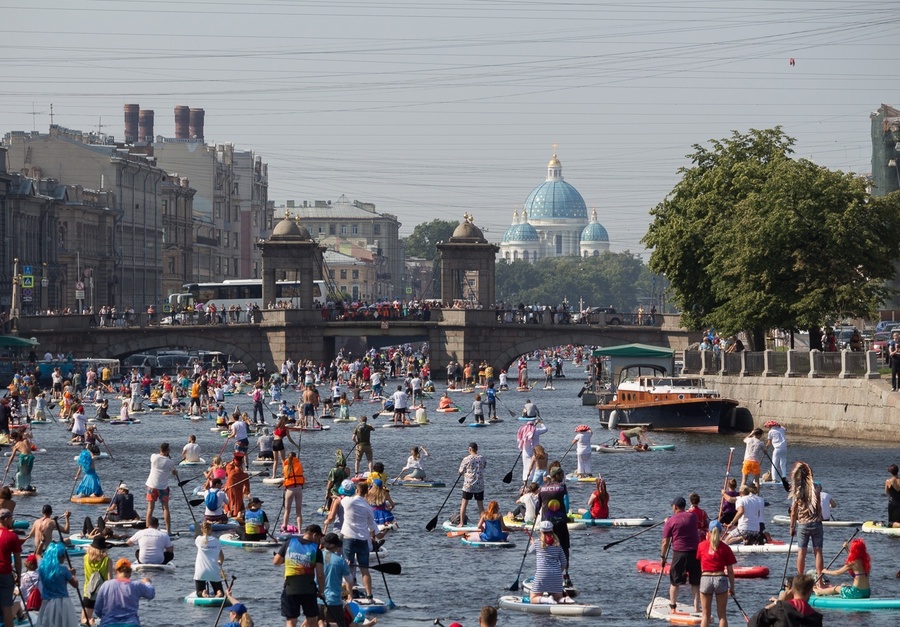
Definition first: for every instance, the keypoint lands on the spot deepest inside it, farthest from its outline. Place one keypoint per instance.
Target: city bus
(240, 293)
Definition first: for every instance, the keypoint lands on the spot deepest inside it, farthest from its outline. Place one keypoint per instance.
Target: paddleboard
(409, 483)
(193, 599)
(512, 523)
(683, 614)
(400, 425)
(477, 425)
(80, 538)
(263, 462)
(449, 526)
(42, 422)
(40, 450)
(90, 500)
(775, 547)
(853, 605)
(768, 484)
(617, 522)
(367, 606)
(305, 429)
(199, 462)
(569, 590)
(156, 568)
(233, 539)
(740, 572)
(488, 545)
(275, 481)
(602, 448)
(218, 527)
(786, 520)
(447, 410)
(124, 523)
(494, 421)
(526, 419)
(871, 527)
(521, 604)
(21, 524)
(125, 422)
(350, 419)
(573, 478)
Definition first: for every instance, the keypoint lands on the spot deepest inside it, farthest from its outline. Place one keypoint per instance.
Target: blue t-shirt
(491, 395)
(55, 587)
(336, 569)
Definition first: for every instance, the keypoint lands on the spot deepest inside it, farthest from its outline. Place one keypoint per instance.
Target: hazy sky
(431, 109)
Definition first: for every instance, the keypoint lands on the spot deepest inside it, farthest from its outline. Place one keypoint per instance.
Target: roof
(14, 341)
(554, 200)
(594, 232)
(634, 351)
(521, 233)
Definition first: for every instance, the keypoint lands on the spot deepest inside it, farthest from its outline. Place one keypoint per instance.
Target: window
(331, 274)
(236, 188)
(227, 239)
(218, 210)
(331, 228)
(559, 245)
(596, 253)
(376, 229)
(343, 274)
(515, 255)
(321, 229)
(255, 269)
(355, 274)
(234, 240)
(165, 207)
(343, 229)
(355, 229)
(171, 265)
(355, 292)
(255, 218)
(525, 255)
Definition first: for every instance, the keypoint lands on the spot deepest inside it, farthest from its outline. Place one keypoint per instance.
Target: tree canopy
(752, 239)
(616, 279)
(423, 241)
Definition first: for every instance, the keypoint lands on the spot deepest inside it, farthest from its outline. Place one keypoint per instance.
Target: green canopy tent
(13, 341)
(626, 355)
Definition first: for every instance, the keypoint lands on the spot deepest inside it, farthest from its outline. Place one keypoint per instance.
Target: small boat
(871, 527)
(138, 567)
(645, 395)
(740, 572)
(199, 462)
(786, 520)
(772, 547)
(615, 448)
(853, 605)
(522, 604)
(193, 599)
(412, 483)
(683, 614)
(617, 522)
(90, 500)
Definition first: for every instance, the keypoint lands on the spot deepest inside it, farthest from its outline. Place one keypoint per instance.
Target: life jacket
(293, 473)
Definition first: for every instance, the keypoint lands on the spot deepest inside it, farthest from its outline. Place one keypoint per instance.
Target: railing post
(845, 371)
(791, 359)
(743, 372)
(704, 363)
(815, 364)
(767, 363)
(872, 365)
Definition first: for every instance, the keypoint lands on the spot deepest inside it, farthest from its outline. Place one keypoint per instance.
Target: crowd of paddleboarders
(327, 568)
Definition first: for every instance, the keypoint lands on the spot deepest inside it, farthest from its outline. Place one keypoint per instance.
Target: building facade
(358, 223)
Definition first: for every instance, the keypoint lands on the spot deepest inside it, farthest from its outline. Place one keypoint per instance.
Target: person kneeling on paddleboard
(256, 523)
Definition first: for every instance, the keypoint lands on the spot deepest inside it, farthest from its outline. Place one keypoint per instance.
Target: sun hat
(546, 526)
(772, 423)
(581, 428)
(347, 488)
(99, 542)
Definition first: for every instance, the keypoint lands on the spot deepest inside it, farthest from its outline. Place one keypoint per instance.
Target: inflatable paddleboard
(306, 429)
(488, 545)
(263, 462)
(512, 523)
(25, 492)
(218, 527)
(683, 614)
(871, 527)
(101, 455)
(526, 419)
(367, 606)
(125, 523)
(80, 538)
(786, 520)
(477, 425)
(233, 539)
(125, 422)
(853, 605)
(774, 547)
(526, 586)
(521, 604)
(601, 448)
(447, 410)
(350, 419)
(617, 522)
(157, 568)
(740, 572)
(409, 483)
(90, 500)
(193, 599)
(199, 462)
(399, 425)
(575, 479)
(449, 526)
(273, 481)
(21, 524)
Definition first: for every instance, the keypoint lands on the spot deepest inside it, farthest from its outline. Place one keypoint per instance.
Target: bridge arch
(187, 341)
(557, 338)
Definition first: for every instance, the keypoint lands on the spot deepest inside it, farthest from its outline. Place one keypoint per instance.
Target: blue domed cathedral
(553, 223)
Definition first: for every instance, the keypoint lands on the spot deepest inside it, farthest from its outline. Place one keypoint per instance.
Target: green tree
(424, 239)
(752, 239)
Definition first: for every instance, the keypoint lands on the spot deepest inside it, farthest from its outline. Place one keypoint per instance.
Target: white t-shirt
(400, 399)
(753, 512)
(755, 448)
(191, 452)
(777, 438)
(152, 544)
(206, 566)
(221, 499)
(584, 441)
(79, 424)
(161, 468)
(826, 505)
(375, 379)
(358, 518)
(239, 430)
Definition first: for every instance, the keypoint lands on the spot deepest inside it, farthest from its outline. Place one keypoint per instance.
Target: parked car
(598, 315)
(880, 344)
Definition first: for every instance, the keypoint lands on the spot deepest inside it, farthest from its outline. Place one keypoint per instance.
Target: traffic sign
(27, 280)
(409, 290)
(79, 294)
(27, 294)
(79, 285)
(27, 270)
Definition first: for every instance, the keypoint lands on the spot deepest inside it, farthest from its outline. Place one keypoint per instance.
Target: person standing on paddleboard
(362, 438)
(680, 533)
(529, 436)
(776, 437)
(161, 466)
(753, 454)
(806, 517)
(472, 467)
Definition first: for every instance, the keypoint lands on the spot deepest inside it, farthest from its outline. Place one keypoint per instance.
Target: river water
(444, 579)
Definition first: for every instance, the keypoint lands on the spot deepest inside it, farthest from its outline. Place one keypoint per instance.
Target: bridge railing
(843, 364)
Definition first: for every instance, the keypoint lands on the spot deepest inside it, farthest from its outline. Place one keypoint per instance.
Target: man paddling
(472, 467)
(680, 533)
(161, 466)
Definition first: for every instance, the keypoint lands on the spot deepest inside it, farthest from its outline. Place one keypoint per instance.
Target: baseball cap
(679, 502)
(237, 608)
(5, 513)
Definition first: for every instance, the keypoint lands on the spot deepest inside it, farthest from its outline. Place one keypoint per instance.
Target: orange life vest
(293, 473)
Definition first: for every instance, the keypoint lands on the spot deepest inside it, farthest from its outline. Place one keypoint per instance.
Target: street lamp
(14, 307)
(45, 283)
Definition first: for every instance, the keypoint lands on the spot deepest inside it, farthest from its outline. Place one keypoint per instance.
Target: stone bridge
(460, 335)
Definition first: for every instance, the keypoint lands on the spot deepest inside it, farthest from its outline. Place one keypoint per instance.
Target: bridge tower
(290, 253)
(468, 258)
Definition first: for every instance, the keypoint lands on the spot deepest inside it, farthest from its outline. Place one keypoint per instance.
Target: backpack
(212, 500)
(93, 586)
(257, 395)
(34, 601)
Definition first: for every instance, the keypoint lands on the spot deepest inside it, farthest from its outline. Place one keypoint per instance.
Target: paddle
(725, 487)
(787, 561)
(511, 414)
(507, 478)
(391, 603)
(69, 560)
(434, 521)
(463, 419)
(224, 444)
(784, 482)
(190, 507)
(566, 453)
(390, 568)
(746, 618)
(515, 584)
(24, 601)
(276, 519)
(658, 581)
(843, 546)
(634, 535)
(227, 595)
(106, 446)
